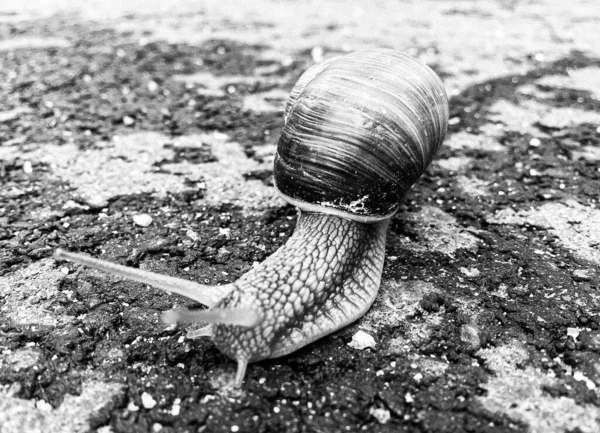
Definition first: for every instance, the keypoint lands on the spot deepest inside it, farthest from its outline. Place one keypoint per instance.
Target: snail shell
(359, 131)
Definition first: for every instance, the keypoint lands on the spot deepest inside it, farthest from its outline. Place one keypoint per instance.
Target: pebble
(317, 54)
(382, 415)
(70, 204)
(192, 235)
(147, 401)
(471, 272)
(27, 167)
(573, 332)
(582, 274)
(361, 340)
(176, 409)
(142, 220)
(152, 86)
(43, 406)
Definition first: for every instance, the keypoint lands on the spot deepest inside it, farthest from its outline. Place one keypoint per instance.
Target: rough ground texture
(488, 318)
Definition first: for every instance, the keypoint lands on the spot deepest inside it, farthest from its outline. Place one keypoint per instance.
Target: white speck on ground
(519, 394)
(470, 272)
(148, 401)
(573, 332)
(382, 415)
(361, 340)
(142, 220)
(176, 408)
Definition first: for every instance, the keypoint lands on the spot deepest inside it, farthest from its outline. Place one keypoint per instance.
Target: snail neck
(326, 276)
(348, 212)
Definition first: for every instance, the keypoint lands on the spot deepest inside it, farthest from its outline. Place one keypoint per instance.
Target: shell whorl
(359, 131)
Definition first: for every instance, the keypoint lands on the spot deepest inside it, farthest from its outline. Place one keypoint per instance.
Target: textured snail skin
(359, 131)
(326, 276)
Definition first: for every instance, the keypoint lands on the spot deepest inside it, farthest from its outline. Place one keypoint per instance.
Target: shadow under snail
(359, 130)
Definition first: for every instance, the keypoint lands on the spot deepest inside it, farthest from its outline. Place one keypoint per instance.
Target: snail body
(359, 131)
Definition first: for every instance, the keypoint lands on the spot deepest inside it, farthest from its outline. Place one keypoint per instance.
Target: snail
(358, 131)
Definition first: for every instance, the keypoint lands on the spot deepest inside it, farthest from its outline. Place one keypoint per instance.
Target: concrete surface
(145, 133)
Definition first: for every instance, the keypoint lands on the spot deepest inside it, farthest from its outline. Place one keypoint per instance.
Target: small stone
(582, 274)
(43, 406)
(470, 272)
(361, 340)
(27, 167)
(580, 377)
(147, 401)
(70, 204)
(128, 121)
(573, 332)
(382, 415)
(156, 427)
(152, 86)
(469, 334)
(317, 54)
(132, 407)
(64, 270)
(220, 135)
(142, 220)
(192, 235)
(535, 142)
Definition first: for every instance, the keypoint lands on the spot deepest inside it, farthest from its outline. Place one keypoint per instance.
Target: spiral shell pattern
(359, 131)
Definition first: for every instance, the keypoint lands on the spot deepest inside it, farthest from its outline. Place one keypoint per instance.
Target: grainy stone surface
(488, 318)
